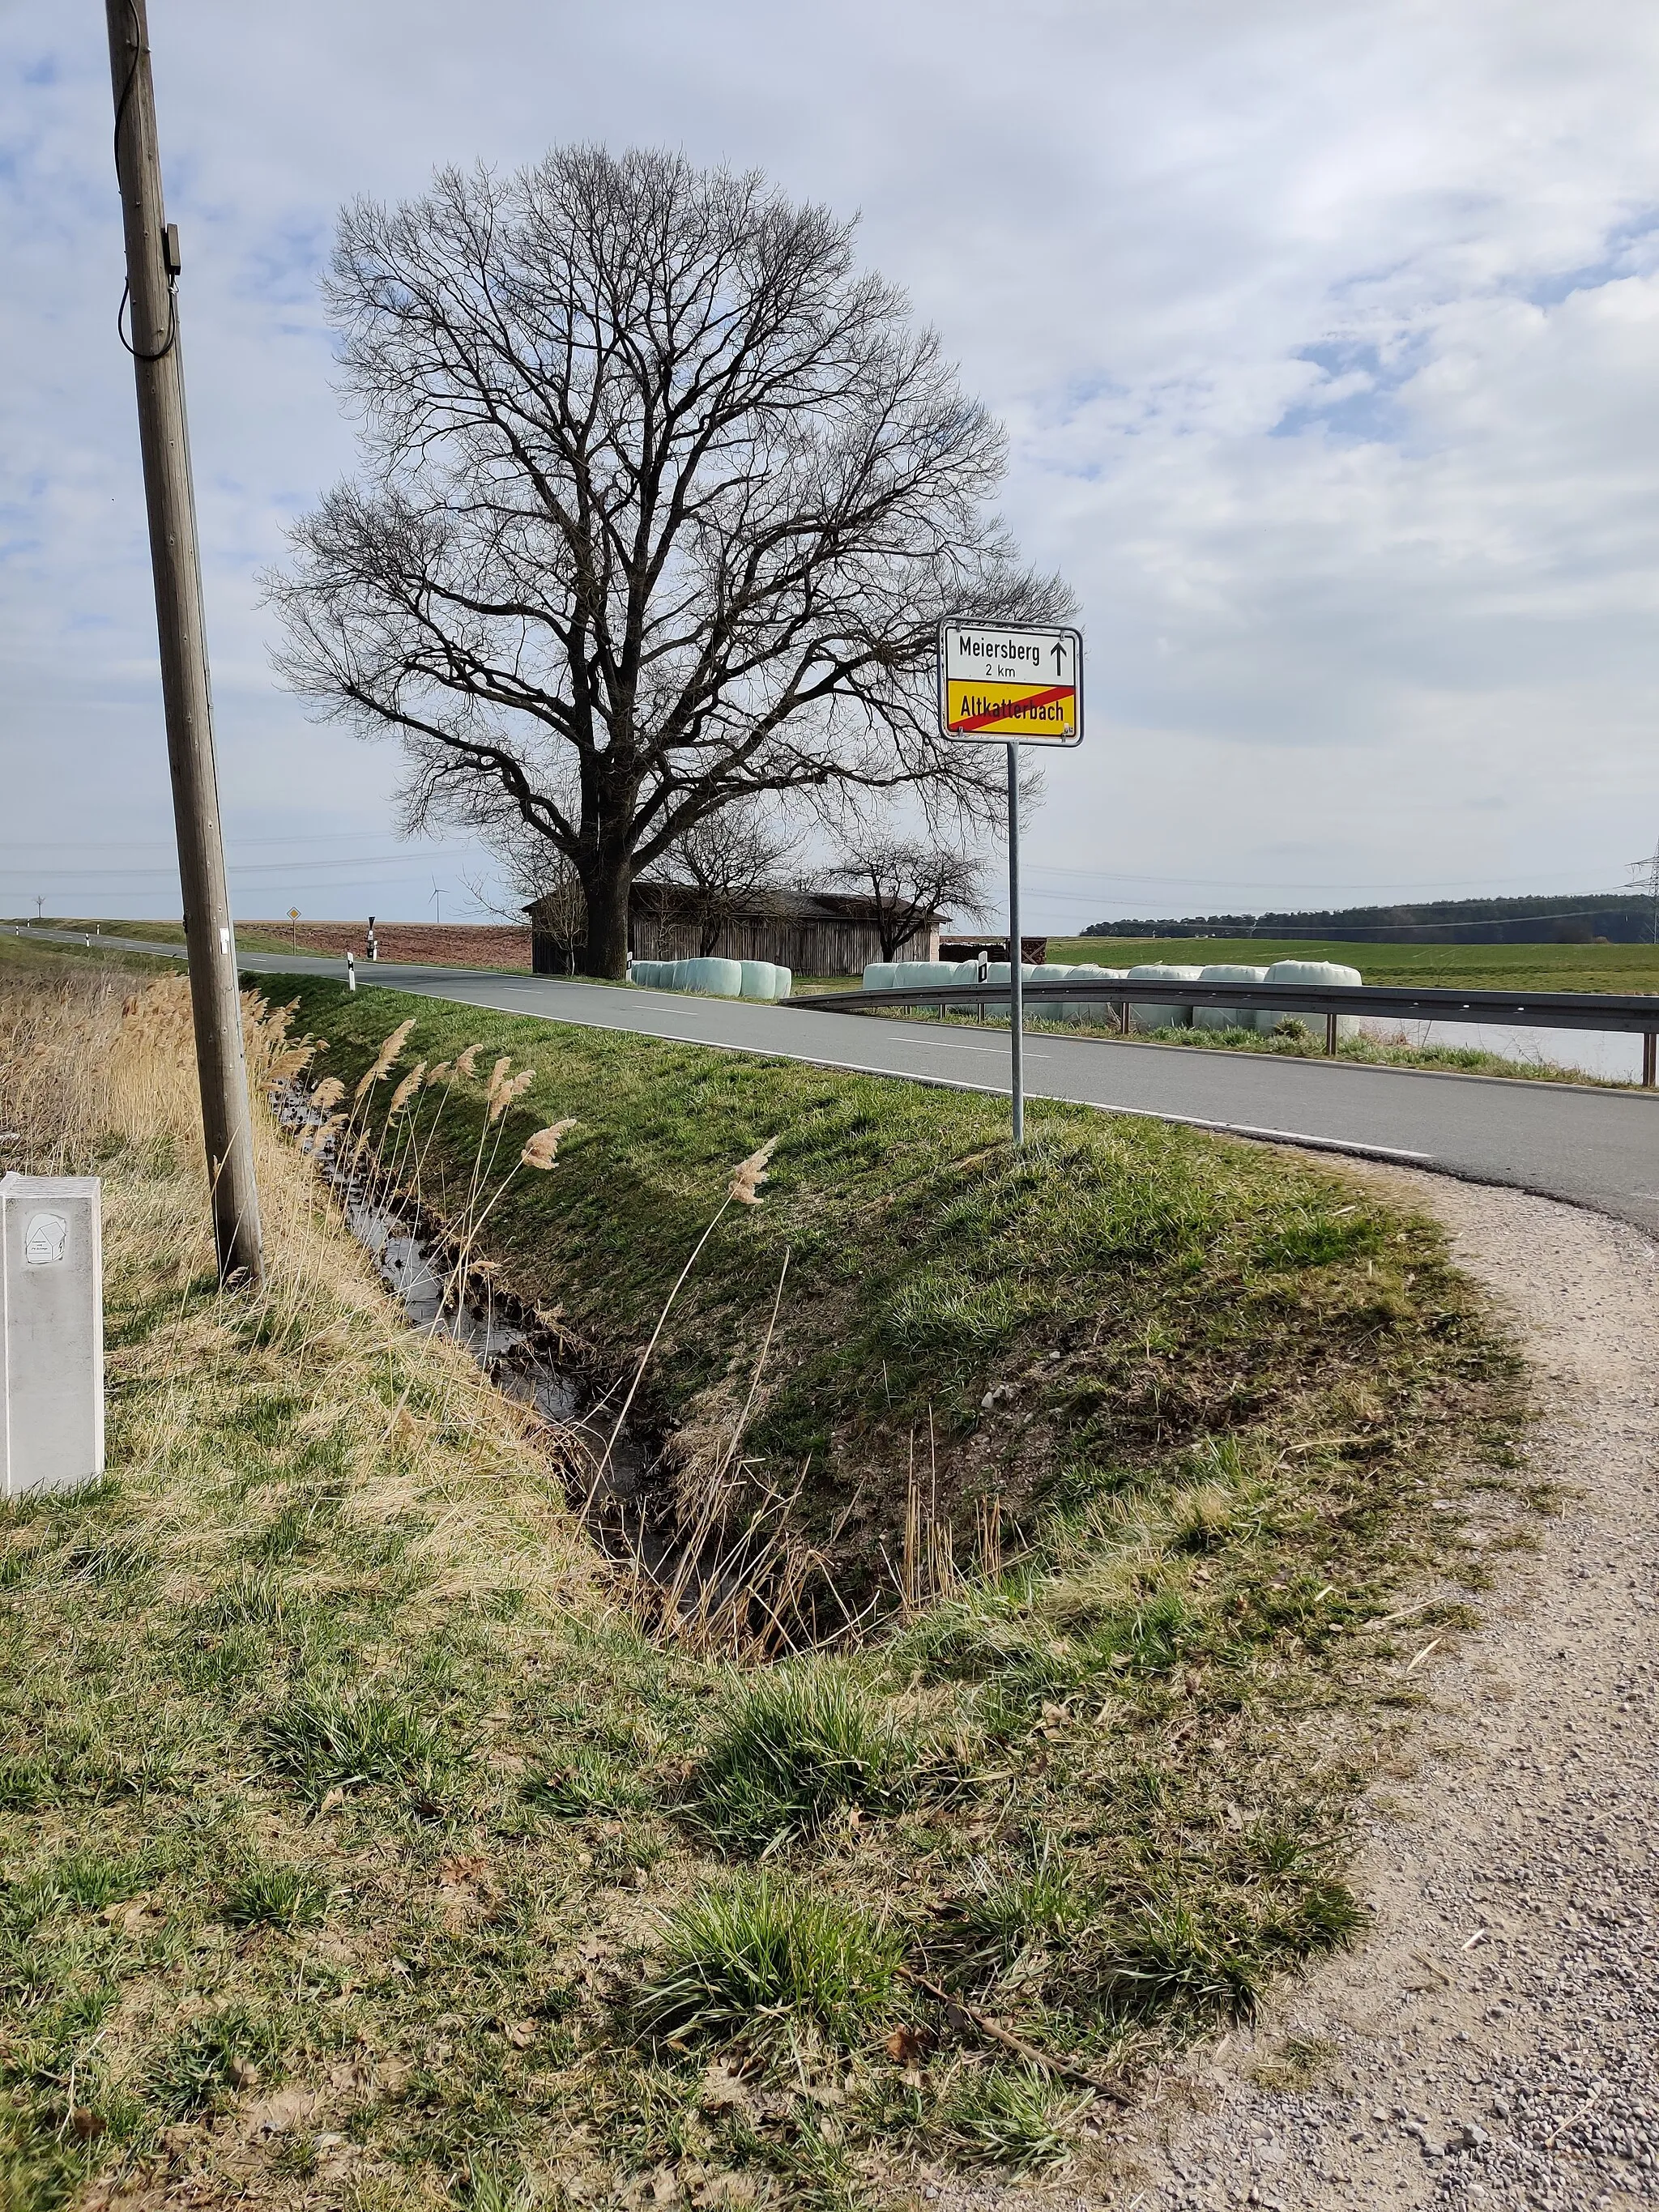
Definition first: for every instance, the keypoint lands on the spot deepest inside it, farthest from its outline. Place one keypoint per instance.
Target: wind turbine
(437, 900)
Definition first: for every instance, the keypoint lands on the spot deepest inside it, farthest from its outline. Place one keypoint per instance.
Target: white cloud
(1324, 335)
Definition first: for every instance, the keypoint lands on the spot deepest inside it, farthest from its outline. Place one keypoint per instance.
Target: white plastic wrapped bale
(1086, 1010)
(1112, 1011)
(923, 975)
(1228, 1017)
(1147, 1014)
(1328, 972)
(783, 981)
(1046, 971)
(718, 979)
(879, 976)
(760, 980)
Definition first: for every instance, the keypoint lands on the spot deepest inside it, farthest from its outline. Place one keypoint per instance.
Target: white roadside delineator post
(51, 1333)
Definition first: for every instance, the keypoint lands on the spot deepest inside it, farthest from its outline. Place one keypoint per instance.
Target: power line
(1645, 877)
(242, 844)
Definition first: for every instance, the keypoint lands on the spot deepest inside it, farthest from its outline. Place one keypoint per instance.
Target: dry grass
(98, 1078)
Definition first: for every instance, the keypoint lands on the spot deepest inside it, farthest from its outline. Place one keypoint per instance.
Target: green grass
(328, 1739)
(334, 1765)
(1296, 1040)
(1010, 1912)
(761, 1957)
(166, 932)
(1465, 967)
(802, 1743)
(286, 1896)
(1118, 1279)
(1013, 2118)
(1454, 967)
(18, 954)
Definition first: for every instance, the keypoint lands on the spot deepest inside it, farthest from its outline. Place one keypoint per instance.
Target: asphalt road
(1594, 1148)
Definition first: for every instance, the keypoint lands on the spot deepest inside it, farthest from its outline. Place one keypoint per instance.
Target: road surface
(1594, 1148)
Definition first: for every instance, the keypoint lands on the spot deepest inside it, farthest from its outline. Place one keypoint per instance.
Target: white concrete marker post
(51, 1333)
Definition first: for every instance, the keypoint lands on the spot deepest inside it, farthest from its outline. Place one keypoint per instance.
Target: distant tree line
(1617, 917)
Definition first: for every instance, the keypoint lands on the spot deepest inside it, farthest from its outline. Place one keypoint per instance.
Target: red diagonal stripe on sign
(1012, 706)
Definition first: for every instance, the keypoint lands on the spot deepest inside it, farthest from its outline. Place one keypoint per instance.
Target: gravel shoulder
(1493, 2043)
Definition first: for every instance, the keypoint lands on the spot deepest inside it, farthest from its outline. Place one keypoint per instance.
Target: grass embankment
(19, 958)
(361, 1846)
(1305, 1040)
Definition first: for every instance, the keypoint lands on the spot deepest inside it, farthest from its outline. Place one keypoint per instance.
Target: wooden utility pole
(153, 301)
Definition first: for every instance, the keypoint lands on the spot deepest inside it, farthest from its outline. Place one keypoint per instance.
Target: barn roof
(662, 900)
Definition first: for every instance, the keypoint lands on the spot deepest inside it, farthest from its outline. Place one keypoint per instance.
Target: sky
(1324, 332)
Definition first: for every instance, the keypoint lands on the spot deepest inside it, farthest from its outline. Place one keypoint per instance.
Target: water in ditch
(615, 1470)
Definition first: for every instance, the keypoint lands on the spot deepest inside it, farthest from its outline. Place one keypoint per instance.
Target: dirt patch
(448, 945)
(1491, 2044)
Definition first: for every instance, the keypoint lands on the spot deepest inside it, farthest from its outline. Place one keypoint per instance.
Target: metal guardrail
(1623, 1013)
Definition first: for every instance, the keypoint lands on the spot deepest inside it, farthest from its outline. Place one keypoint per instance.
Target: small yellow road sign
(1006, 684)
(293, 914)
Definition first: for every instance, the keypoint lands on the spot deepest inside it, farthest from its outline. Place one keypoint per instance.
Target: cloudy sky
(1326, 333)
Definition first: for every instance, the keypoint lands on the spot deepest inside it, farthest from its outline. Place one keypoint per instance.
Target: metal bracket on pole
(1016, 955)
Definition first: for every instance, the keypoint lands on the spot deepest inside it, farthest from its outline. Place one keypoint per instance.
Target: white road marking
(1301, 1137)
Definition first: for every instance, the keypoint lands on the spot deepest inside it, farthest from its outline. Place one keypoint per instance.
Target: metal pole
(1016, 979)
(152, 271)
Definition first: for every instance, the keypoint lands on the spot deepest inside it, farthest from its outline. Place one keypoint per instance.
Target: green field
(162, 932)
(1473, 967)
(1468, 967)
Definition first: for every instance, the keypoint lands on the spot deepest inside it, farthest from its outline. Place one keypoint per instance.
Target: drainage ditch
(750, 1587)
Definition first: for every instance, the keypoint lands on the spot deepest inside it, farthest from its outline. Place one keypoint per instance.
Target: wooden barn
(810, 932)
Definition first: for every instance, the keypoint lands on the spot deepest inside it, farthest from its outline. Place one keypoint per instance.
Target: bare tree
(725, 861)
(662, 501)
(909, 881)
(534, 875)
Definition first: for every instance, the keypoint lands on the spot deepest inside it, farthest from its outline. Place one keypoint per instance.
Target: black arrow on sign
(1058, 652)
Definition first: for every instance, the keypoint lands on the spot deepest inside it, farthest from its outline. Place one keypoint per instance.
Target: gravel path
(1493, 2043)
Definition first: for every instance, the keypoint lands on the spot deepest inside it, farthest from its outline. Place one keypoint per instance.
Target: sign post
(1013, 684)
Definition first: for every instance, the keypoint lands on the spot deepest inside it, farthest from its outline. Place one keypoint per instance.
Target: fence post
(1649, 1041)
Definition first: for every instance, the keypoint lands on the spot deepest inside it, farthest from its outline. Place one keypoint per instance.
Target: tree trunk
(606, 953)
